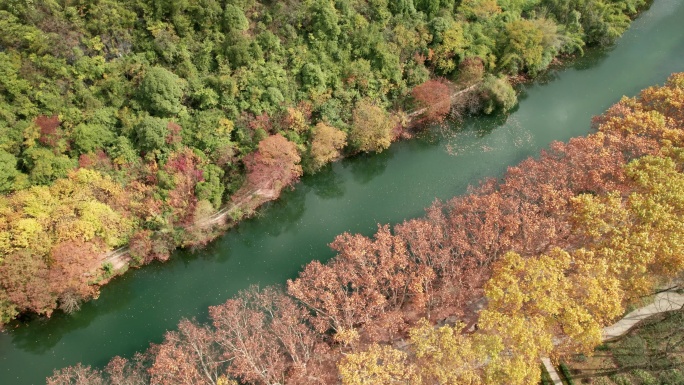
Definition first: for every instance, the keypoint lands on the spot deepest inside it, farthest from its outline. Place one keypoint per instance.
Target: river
(352, 195)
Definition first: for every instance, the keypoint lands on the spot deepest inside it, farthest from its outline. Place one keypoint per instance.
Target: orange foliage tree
(434, 98)
(274, 165)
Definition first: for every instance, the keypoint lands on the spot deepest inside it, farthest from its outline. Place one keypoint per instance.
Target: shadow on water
(486, 124)
(283, 213)
(591, 59)
(209, 251)
(326, 183)
(39, 334)
(366, 167)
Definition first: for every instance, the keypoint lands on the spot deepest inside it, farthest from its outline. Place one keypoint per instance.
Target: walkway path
(665, 301)
(454, 95)
(552, 371)
(120, 258)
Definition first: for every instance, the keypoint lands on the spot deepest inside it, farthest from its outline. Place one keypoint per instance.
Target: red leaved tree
(184, 168)
(263, 335)
(188, 356)
(72, 266)
(274, 165)
(434, 98)
(23, 277)
(50, 133)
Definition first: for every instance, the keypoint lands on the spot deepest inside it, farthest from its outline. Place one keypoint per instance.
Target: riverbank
(245, 204)
(554, 262)
(353, 195)
(170, 116)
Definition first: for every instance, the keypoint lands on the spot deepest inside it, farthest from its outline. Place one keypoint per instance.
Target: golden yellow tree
(379, 365)
(639, 237)
(447, 357)
(536, 309)
(371, 127)
(326, 144)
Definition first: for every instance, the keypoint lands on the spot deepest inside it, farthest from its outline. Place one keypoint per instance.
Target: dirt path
(220, 217)
(120, 258)
(415, 113)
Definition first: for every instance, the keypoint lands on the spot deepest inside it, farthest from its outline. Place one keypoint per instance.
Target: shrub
(498, 94)
(621, 379)
(565, 371)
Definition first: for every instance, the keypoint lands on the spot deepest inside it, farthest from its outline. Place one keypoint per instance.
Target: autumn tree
(451, 48)
(76, 375)
(448, 270)
(639, 234)
(184, 173)
(72, 269)
(379, 365)
(371, 127)
(367, 278)
(667, 100)
(479, 9)
(274, 165)
(263, 336)
(326, 144)
(471, 70)
(524, 48)
(24, 281)
(540, 289)
(190, 355)
(434, 97)
(296, 119)
(436, 282)
(50, 133)
(446, 356)
(132, 371)
(53, 237)
(119, 371)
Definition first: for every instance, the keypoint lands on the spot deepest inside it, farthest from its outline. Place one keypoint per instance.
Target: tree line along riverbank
(130, 122)
(530, 266)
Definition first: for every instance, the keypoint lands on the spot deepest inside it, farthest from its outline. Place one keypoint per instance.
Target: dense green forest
(128, 122)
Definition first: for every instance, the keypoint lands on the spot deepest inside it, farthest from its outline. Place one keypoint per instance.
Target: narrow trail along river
(353, 195)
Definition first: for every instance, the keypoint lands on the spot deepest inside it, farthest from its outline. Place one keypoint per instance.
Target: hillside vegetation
(475, 292)
(127, 122)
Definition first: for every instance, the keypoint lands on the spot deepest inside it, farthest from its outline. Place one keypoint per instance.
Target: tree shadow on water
(484, 125)
(326, 183)
(280, 216)
(366, 167)
(37, 335)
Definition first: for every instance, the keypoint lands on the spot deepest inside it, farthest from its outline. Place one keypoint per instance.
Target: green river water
(353, 195)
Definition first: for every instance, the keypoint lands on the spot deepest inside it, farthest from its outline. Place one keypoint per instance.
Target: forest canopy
(127, 122)
(477, 291)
